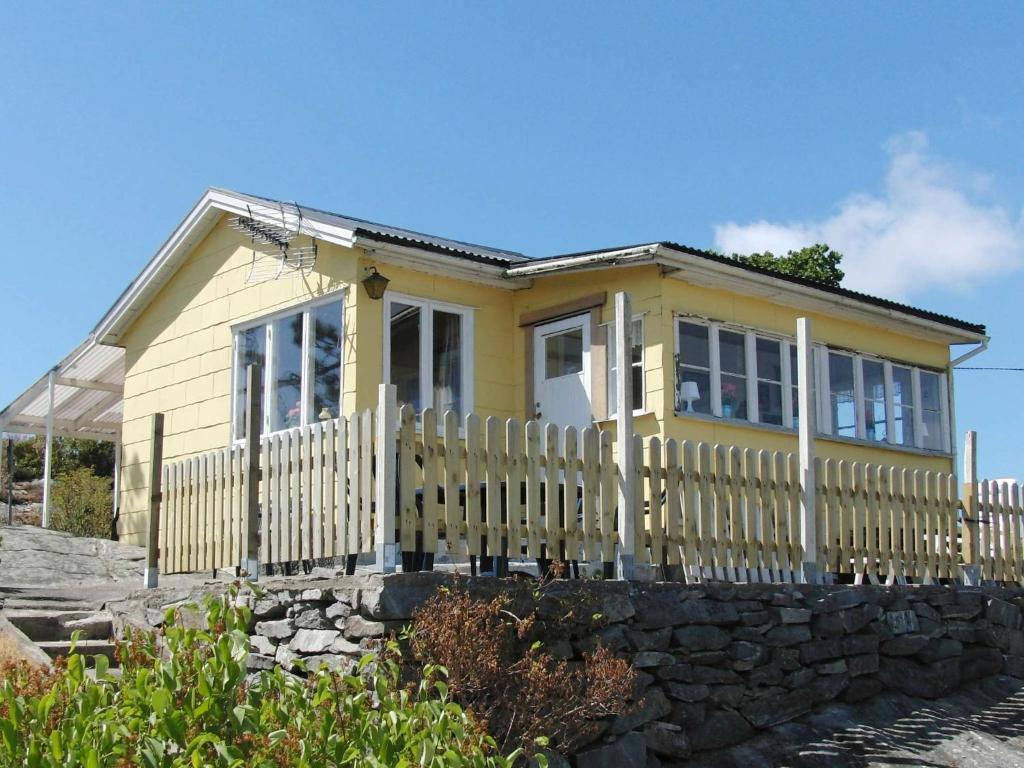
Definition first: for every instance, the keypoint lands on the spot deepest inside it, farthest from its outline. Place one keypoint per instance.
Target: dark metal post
(10, 481)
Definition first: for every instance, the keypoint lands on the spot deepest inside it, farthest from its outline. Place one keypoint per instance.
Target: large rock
(901, 622)
(630, 751)
(653, 706)
(313, 641)
(929, 681)
(904, 645)
(278, 630)
(702, 638)
(1003, 613)
(667, 740)
(978, 662)
(721, 728)
(666, 611)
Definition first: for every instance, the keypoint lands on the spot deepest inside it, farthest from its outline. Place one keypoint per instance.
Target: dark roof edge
(835, 290)
(426, 245)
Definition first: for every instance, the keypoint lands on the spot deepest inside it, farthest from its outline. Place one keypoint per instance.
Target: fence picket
(473, 479)
(514, 486)
(706, 530)
(655, 528)
(552, 525)
(608, 472)
(570, 496)
(452, 480)
(431, 469)
(495, 477)
(591, 493)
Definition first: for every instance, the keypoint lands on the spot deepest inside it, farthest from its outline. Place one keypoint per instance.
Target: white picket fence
(500, 487)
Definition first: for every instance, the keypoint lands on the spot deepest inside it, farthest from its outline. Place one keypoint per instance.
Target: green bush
(184, 698)
(82, 504)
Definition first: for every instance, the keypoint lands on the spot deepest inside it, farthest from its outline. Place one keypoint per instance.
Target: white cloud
(928, 229)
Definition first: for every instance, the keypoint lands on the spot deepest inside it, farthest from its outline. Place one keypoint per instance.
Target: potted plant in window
(730, 398)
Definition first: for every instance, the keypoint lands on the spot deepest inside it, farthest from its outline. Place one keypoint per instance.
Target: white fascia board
(700, 271)
(602, 260)
(434, 263)
(192, 229)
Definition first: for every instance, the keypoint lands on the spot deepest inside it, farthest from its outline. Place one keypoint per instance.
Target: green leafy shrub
(82, 504)
(185, 698)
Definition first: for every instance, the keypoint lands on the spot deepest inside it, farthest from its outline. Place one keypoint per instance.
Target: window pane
(930, 391)
(840, 372)
(902, 388)
(932, 429)
(903, 428)
(694, 391)
(638, 341)
(325, 321)
(693, 345)
(874, 400)
(769, 360)
(286, 387)
(563, 354)
(448, 362)
(405, 353)
(769, 402)
(252, 347)
(874, 420)
(731, 350)
(795, 381)
(734, 396)
(874, 380)
(638, 387)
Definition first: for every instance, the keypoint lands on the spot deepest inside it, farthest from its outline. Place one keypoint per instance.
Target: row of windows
(740, 374)
(720, 371)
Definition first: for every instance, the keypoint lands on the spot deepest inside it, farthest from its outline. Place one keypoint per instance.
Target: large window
(428, 354)
(300, 352)
(735, 373)
(636, 369)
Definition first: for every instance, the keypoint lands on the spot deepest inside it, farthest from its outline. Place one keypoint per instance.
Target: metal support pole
(48, 464)
(251, 482)
(116, 489)
(150, 577)
(808, 411)
(10, 481)
(624, 436)
(971, 531)
(385, 541)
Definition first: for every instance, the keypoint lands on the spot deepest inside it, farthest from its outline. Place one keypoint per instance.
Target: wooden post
(624, 435)
(251, 482)
(971, 534)
(808, 411)
(48, 462)
(385, 540)
(150, 577)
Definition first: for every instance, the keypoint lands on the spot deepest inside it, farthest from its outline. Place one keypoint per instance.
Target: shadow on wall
(979, 726)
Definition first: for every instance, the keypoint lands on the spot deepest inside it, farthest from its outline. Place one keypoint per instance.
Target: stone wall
(716, 662)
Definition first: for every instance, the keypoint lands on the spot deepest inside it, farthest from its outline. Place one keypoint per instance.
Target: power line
(985, 368)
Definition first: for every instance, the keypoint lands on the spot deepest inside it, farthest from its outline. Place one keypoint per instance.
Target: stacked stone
(716, 662)
(320, 626)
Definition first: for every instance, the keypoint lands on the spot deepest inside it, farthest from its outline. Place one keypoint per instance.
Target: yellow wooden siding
(178, 353)
(179, 350)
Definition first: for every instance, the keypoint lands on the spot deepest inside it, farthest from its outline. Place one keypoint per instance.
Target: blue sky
(895, 130)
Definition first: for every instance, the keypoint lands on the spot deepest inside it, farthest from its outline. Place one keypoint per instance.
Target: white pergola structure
(82, 396)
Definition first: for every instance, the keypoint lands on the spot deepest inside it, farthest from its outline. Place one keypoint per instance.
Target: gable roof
(506, 268)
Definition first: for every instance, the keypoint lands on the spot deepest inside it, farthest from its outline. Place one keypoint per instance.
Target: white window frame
(642, 365)
(267, 322)
(428, 307)
(820, 357)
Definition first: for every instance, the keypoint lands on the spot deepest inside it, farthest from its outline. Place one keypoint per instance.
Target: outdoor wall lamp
(375, 284)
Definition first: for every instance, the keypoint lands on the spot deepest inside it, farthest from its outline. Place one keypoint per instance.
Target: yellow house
(245, 279)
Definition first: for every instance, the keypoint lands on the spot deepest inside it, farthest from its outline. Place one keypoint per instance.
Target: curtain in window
(252, 349)
(447, 360)
(325, 322)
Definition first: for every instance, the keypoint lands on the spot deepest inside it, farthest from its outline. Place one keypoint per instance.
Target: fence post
(808, 487)
(628, 514)
(251, 488)
(385, 541)
(972, 556)
(150, 576)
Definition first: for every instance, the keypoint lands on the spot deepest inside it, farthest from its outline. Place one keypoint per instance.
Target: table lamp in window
(690, 393)
(325, 414)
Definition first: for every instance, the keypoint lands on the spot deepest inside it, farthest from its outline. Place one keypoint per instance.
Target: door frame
(592, 305)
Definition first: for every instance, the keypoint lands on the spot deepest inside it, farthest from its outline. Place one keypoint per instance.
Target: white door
(561, 372)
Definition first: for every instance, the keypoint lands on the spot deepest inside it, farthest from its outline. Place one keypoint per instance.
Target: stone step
(48, 624)
(87, 648)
